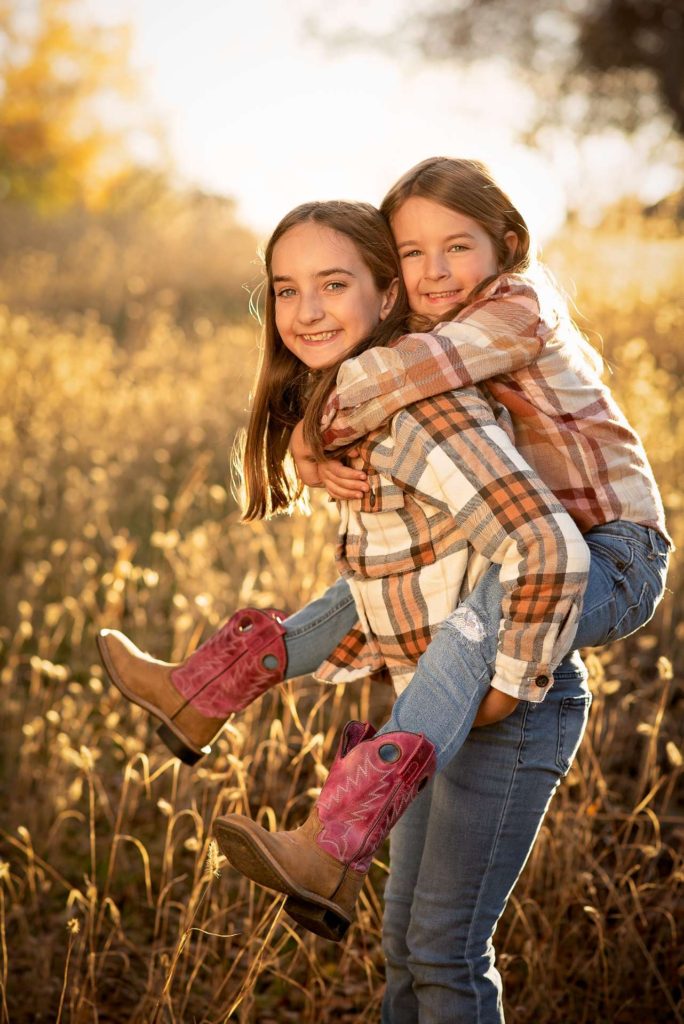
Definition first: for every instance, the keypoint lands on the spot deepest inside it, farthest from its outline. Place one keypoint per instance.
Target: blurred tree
(597, 62)
(637, 35)
(592, 63)
(56, 72)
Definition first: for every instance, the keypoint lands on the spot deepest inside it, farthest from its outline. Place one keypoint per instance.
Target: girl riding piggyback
(502, 323)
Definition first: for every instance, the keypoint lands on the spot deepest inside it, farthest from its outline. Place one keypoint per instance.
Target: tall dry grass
(114, 510)
(153, 248)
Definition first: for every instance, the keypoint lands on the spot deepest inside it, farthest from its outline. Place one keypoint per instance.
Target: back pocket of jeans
(572, 720)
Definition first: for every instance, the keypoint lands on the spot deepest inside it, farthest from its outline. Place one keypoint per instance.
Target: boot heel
(181, 750)
(319, 920)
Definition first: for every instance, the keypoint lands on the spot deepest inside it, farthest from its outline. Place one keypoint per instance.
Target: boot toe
(120, 648)
(246, 845)
(278, 861)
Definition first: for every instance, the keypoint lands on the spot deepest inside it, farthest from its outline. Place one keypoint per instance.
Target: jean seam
(617, 558)
(611, 599)
(652, 546)
(495, 844)
(442, 761)
(650, 559)
(615, 631)
(321, 620)
(562, 724)
(582, 703)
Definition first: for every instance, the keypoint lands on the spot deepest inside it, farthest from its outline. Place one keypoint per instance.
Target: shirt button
(541, 681)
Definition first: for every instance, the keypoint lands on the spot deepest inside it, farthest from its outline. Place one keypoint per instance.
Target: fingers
(344, 492)
(342, 482)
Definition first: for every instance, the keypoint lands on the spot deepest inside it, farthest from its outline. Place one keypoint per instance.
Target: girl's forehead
(418, 216)
(313, 247)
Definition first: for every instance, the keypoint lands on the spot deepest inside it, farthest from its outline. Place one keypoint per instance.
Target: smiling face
(443, 254)
(326, 300)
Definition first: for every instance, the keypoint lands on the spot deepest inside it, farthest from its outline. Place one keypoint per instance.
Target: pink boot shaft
(193, 699)
(244, 659)
(372, 781)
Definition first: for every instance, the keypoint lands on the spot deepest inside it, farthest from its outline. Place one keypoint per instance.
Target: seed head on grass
(213, 859)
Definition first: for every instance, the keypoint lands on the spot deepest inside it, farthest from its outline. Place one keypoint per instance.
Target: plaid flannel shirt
(449, 495)
(567, 425)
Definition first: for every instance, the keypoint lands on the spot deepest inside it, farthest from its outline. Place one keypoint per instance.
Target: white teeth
(323, 336)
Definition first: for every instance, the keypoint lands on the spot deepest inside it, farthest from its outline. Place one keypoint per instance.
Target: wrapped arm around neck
(498, 334)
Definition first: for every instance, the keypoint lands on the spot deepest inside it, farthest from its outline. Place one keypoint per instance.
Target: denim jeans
(455, 855)
(314, 631)
(626, 581)
(457, 851)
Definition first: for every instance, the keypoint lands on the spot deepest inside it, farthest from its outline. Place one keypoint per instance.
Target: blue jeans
(457, 851)
(315, 630)
(456, 856)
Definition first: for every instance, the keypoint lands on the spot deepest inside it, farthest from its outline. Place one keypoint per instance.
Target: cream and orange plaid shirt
(567, 425)
(449, 495)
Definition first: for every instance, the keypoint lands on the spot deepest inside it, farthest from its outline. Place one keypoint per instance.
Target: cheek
(411, 275)
(490, 265)
(281, 322)
(364, 313)
(482, 268)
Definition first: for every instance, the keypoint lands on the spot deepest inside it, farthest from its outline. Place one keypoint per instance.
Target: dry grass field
(115, 510)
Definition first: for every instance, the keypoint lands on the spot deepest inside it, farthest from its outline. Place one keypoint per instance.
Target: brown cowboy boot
(194, 698)
(322, 864)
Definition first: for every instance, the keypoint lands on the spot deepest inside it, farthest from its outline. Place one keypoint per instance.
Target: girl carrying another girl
(450, 882)
(458, 851)
(508, 800)
(450, 496)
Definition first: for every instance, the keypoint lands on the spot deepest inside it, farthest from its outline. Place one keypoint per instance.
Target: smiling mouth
(320, 337)
(443, 296)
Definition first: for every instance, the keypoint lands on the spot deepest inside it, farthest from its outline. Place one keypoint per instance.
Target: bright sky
(255, 108)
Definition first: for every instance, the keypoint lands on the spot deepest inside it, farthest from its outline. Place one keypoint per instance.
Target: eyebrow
(320, 273)
(449, 238)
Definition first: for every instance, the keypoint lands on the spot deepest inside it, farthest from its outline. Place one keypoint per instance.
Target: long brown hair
(285, 390)
(467, 187)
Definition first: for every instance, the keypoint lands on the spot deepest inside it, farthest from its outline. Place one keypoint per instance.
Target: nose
(436, 266)
(310, 309)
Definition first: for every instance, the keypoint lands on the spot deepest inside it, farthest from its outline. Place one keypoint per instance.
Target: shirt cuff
(529, 688)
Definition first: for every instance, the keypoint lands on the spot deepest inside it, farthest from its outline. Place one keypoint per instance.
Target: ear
(389, 298)
(511, 241)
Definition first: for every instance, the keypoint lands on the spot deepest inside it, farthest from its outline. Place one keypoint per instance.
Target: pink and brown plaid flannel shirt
(449, 495)
(567, 425)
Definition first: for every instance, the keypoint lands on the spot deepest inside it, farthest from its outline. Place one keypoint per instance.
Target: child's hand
(342, 481)
(495, 707)
(339, 480)
(307, 467)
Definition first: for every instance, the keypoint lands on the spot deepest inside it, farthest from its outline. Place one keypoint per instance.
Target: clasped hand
(339, 480)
